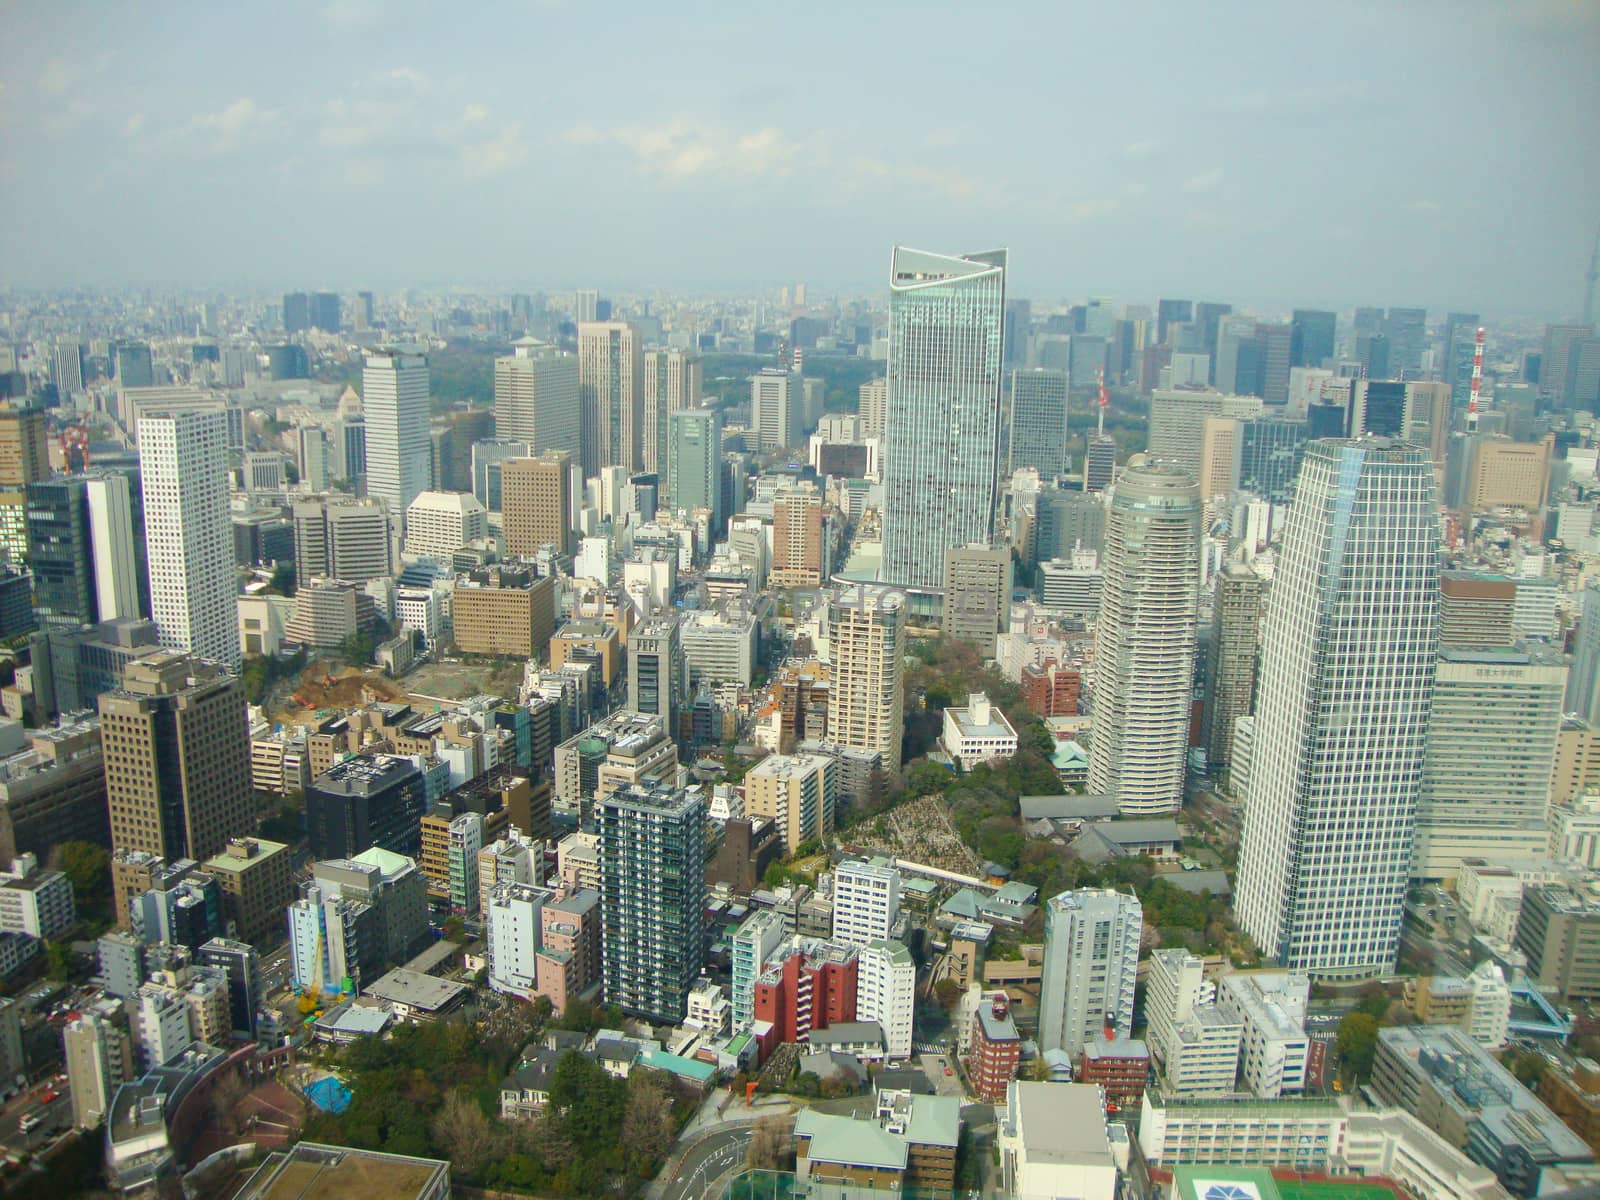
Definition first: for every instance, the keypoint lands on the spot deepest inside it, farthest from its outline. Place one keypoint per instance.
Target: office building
(1270, 1007)
(1091, 953)
(499, 611)
(1349, 639)
(440, 523)
(976, 593)
(873, 406)
(1145, 641)
(1067, 521)
(536, 503)
(35, 902)
(1490, 756)
(694, 462)
(363, 802)
(673, 382)
(797, 540)
(652, 863)
(611, 396)
(866, 708)
(1099, 462)
(325, 311)
(1269, 456)
(60, 553)
(395, 405)
(976, 732)
(1407, 331)
(240, 965)
(1476, 609)
(657, 679)
(257, 881)
(1232, 672)
(797, 793)
(1573, 1094)
(1313, 338)
(941, 436)
(866, 901)
(1559, 931)
(719, 646)
(183, 467)
(1508, 474)
(176, 747)
(1178, 421)
(24, 447)
(343, 539)
(296, 312)
(536, 398)
(487, 459)
(775, 404)
(1037, 438)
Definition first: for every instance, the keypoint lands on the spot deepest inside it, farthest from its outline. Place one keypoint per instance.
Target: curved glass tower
(942, 432)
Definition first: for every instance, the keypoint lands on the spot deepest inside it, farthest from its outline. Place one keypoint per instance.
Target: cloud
(475, 114)
(407, 79)
(1425, 206)
(57, 75)
(1206, 181)
(681, 150)
(132, 126)
(364, 173)
(222, 131)
(497, 155)
(347, 15)
(343, 137)
(1142, 149)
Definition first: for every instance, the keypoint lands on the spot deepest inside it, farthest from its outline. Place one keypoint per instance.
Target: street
(56, 1116)
(701, 1172)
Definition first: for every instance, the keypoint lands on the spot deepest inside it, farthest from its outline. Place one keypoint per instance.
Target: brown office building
(500, 611)
(1577, 766)
(257, 885)
(1475, 609)
(24, 450)
(1574, 1096)
(176, 746)
(601, 637)
(536, 503)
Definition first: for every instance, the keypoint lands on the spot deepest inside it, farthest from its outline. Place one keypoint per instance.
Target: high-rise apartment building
(694, 462)
(176, 746)
(673, 382)
(1239, 593)
(886, 978)
(183, 467)
(1091, 960)
(977, 594)
(394, 401)
(797, 549)
(1488, 795)
(1038, 433)
(1145, 641)
(99, 1059)
(942, 433)
(866, 710)
(797, 792)
(653, 896)
(536, 399)
(610, 396)
(873, 406)
(1347, 666)
(866, 900)
(536, 503)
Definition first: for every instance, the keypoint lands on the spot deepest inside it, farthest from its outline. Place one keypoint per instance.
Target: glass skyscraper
(1346, 686)
(1038, 409)
(694, 462)
(942, 435)
(394, 400)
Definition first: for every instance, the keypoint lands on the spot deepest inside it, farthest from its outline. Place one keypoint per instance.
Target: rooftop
(1067, 1124)
(416, 990)
(850, 1142)
(310, 1169)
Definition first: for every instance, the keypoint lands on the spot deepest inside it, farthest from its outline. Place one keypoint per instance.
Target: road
(699, 1175)
(57, 1116)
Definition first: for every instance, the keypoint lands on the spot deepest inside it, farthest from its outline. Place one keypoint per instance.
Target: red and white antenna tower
(1477, 381)
(1105, 402)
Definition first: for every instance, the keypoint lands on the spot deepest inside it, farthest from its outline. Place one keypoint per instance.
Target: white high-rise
(1091, 963)
(394, 399)
(886, 992)
(610, 396)
(536, 398)
(1145, 640)
(673, 382)
(942, 431)
(183, 466)
(1347, 670)
(775, 409)
(866, 708)
(116, 560)
(866, 901)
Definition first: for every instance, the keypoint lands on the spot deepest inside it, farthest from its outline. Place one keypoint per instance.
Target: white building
(775, 409)
(160, 1017)
(394, 399)
(719, 646)
(116, 563)
(418, 608)
(1575, 831)
(593, 560)
(514, 935)
(1271, 1006)
(1195, 1044)
(708, 1009)
(1305, 1134)
(977, 732)
(183, 467)
(1091, 958)
(1348, 642)
(440, 523)
(886, 986)
(866, 901)
(515, 858)
(1053, 1142)
(536, 398)
(99, 1058)
(37, 903)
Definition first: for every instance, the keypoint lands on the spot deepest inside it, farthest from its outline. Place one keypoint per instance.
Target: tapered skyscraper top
(942, 432)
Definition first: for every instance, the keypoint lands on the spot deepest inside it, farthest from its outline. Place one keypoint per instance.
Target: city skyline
(1199, 182)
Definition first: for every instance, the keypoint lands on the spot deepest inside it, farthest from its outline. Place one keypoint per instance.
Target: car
(29, 1122)
(50, 1097)
(948, 1071)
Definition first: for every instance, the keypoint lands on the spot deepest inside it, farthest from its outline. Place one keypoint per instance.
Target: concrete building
(1053, 1142)
(1507, 474)
(363, 802)
(977, 732)
(257, 882)
(99, 1056)
(797, 540)
(1559, 931)
(994, 1049)
(611, 396)
(1342, 811)
(886, 980)
(440, 523)
(658, 683)
(866, 901)
(673, 382)
(1239, 592)
(719, 645)
(344, 539)
(1573, 1094)
(53, 790)
(1091, 955)
(183, 468)
(35, 902)
(1575, 831)
(1178, 420)
(536, 503)
(977, 594)
(754, 944)
(797, 793)
(394, 401)
(503, 612)
(1195, 1043)
(1037, 436)
(1271, 1008)
(775, 408)
(1475, 609)
(513, 937)
(866, 704)
(1480, 1003)
(1145, 641)
(536, 398)
(909, 1143)
(694, 463)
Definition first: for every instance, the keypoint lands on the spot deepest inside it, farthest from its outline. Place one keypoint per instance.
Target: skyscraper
(536, 398)
(536, 503)
(866, 710)
(60, 553)
(673, 381)
(775, 405)
(1145, 640)
(1038, 403)
(1347, 665)
(394, 401)
(296, 312)
(611, 396)
(176, 745)
(1091, 961)
(657, 675)
(325, 311)
(653, 895)
(183, 465)
(694, 462)
(24, 446)
(1407, 331)
(1233, 658)
(1315, 331)
(941, 440)
(873, 405)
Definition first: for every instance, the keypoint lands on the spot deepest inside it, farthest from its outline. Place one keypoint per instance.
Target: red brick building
(1120, 1066)
(811, 987)
(996, 1049)
(1052, 690)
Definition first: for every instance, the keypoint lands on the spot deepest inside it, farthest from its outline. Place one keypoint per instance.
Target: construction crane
(1477, 381)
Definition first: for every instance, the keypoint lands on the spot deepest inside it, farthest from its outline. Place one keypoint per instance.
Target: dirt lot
(324, 685)
(918, 830)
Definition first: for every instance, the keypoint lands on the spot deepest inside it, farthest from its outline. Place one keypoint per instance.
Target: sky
(1338, 153)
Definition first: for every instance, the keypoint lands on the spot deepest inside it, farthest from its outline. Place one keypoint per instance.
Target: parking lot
(942, 1074)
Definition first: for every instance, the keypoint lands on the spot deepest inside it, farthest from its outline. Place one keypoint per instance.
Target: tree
(87, 866)
(837, 1085)
(647, 1122)
(769, 1145)
(58, 957)
(1357, 1043)
(925, 778)
(947, 992)
(455, 930)
(283, 580)
(465, 1135)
